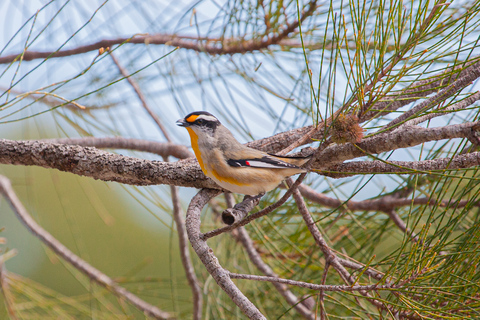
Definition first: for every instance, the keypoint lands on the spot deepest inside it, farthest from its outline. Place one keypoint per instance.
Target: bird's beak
(182, 123)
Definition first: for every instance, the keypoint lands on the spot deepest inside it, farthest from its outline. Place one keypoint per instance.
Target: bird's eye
(200, 121)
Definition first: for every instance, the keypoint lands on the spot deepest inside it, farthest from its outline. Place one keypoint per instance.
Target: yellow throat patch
(194, 140)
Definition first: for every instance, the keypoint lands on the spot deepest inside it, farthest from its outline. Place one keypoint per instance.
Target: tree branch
(387, 104)
(416, 90)
(164, 149)
(69, 256)
(383, 204)
(392, 214)
(105, 166)
(242, 236)
(330, 256)
(177, 208)
(205, 253)
(211, 46)
(469, 75)
(441, 112)
(401, 138)
(102, 165)
(461, 161)
(312, 286)
(141, 97)
(111, 167)
(185, 255)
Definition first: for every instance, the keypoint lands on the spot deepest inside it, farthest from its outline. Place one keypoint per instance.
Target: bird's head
(201, 122)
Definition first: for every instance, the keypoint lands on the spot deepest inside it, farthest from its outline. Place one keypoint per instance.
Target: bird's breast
(196, 149)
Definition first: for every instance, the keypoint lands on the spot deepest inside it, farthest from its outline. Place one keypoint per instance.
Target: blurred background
(127, 232)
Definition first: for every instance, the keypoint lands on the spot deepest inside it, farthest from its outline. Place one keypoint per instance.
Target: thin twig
(141, 97)
(401, 224)
(323, 287)
(397, 57)
(384, 203)
(242, 236)
(323, 312)
(471, 73)
(360, 267)
(330, 256)
(213, 46)
(366, 88)
(81, 265)
(441, 112)
(8, 298)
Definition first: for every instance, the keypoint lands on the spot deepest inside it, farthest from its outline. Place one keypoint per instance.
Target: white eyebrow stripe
(207, 118)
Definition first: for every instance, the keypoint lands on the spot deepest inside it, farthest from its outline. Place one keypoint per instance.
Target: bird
(232, 165)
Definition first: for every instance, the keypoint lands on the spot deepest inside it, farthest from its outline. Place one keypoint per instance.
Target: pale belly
(251, 190)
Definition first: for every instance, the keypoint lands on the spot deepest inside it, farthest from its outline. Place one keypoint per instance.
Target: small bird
(233, 166)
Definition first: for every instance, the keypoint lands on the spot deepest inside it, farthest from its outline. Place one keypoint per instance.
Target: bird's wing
(264, 162)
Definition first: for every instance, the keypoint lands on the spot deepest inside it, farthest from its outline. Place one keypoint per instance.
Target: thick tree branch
(402, 138)
(111, 167)
(164, 149)
(81, 265)
(205, 253)
(102, 165)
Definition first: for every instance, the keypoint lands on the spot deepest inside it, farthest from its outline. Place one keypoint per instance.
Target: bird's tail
(298, 161)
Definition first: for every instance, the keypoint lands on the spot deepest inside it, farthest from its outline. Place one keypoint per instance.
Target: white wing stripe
(261, 164)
